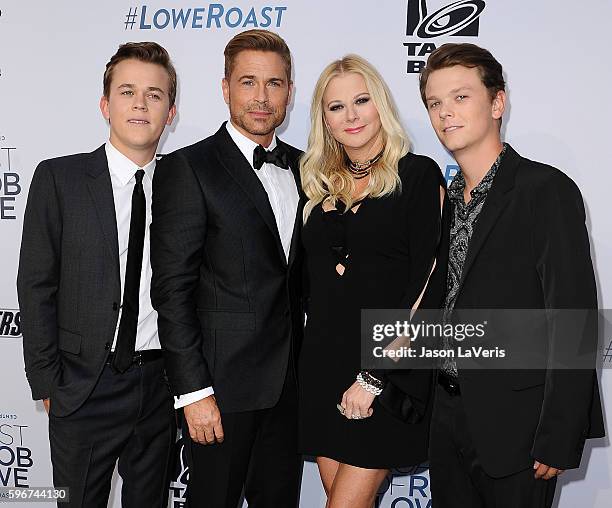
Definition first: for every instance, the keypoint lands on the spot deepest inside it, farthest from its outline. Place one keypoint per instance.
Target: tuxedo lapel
(101, 191)
(241, 171)
(498, 198)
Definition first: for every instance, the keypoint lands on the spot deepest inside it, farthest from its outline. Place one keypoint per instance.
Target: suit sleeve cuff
(189, 398)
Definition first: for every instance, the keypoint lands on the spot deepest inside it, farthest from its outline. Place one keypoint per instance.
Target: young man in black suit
(90, 340)
(226, 272)
(517, 241)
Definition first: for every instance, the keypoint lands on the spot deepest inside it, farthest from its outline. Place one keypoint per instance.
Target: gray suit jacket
(68, 281)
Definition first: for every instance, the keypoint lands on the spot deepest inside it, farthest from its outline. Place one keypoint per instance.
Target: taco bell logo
(460, 18)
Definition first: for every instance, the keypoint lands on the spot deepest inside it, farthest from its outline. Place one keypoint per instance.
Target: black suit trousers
(458, 479)
(259, 453)
(129, 417)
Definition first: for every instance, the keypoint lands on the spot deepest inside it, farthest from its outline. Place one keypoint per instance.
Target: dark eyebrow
(460, 88)
(250, 76)
(149, 89)
(456, 90)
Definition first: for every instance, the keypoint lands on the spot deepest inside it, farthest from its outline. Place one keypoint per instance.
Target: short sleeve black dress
(391, 243)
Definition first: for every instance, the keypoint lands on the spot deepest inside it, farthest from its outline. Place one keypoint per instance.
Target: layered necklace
(360, 170)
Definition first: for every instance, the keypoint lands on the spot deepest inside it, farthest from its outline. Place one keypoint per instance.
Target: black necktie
(126, 338)
(278, 157)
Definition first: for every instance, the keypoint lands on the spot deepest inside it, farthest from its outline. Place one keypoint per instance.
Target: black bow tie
(278, 157)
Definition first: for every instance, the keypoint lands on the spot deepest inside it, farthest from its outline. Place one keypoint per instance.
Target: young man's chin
(135, 146)
(453, 145)
(141, 143)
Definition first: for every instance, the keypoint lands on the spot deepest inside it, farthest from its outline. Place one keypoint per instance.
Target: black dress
(391, 243)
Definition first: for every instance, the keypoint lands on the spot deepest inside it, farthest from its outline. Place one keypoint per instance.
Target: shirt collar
(123, 168)
(457, 186)
(245, 145)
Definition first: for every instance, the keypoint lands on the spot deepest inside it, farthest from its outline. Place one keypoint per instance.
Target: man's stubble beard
(254, 127)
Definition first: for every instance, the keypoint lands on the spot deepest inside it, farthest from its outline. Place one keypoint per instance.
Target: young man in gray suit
(90, 340)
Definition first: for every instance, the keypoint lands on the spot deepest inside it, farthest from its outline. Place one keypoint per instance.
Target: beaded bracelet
(374, 389)
(370, 379)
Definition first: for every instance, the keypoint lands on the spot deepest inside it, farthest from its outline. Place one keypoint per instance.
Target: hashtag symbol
(130, 18)
(607, 356)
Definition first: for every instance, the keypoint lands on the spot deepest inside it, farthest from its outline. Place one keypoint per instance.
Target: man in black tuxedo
(226, 272)
(517, 241)
(90, 339)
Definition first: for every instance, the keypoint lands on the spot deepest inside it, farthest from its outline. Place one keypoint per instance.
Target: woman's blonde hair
(323, 169)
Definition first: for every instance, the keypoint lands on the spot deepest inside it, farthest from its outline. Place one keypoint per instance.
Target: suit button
(115, 306)
(107, 346)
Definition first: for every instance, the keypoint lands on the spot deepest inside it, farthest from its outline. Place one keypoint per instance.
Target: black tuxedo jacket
(530, 250)
(229, 303)
(68, 280)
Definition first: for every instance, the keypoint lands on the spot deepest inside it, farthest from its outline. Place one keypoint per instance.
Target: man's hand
(542, 471)
(356, 402)
(47, 404)
(204, 421)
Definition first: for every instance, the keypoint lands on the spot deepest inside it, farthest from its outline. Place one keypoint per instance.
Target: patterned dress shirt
(463, 221)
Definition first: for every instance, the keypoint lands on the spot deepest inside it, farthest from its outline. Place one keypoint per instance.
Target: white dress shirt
(122, 171)
(283, 196)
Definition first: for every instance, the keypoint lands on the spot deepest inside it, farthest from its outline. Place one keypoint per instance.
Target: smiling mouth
(138, 122)
(355, 130)
(452, 128)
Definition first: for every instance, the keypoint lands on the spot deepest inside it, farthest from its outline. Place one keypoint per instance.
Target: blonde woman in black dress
(371, 231)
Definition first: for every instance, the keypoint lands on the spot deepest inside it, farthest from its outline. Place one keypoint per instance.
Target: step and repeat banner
(52, 57)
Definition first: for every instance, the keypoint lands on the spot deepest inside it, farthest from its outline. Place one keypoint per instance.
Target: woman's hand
(357, 402)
